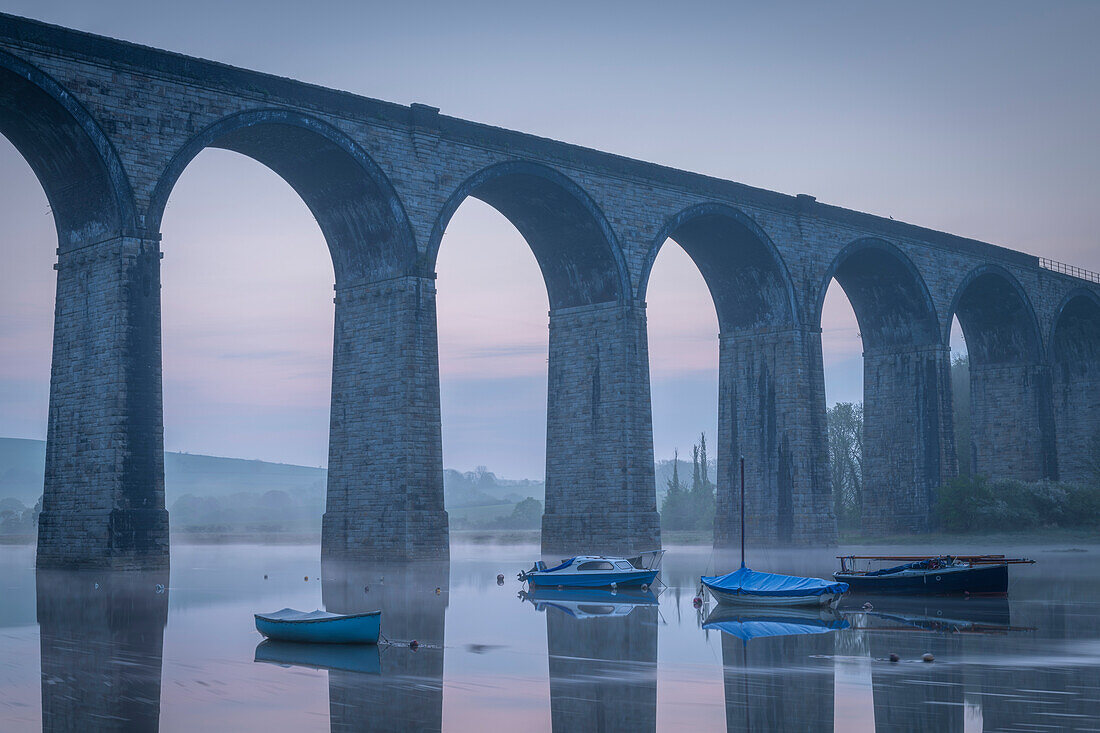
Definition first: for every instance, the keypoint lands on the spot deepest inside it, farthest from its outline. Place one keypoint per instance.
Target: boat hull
(983, 579)
(362, 628)
(734, 598)
(591, 580)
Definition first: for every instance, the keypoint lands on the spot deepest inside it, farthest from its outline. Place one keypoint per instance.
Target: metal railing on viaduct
(108, 127)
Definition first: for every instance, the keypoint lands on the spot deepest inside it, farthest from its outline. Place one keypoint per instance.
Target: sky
(977, 119)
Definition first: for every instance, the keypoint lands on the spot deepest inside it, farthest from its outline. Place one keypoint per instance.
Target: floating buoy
(366, 588)
(265, 576)
(500, 578)
(438, 590)
(306, 578)
(697, 601)
(894, 657)
(927, 657)
(414, 645)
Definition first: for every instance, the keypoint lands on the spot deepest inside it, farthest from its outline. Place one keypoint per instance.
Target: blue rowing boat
(320, 627)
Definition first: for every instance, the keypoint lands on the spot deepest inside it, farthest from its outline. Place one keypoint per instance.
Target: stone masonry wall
(771, 410)
(385, 480)
(908, 437)
(1077, 418)
(1011, 423)
(103, 500)
(600, 495)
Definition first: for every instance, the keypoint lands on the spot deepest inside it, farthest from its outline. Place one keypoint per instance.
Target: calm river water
(91, 651)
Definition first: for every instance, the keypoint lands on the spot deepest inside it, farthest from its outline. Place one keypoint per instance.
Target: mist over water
(121, 650)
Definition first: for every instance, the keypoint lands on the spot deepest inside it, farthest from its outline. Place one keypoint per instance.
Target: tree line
(970, 502)
(690, 507)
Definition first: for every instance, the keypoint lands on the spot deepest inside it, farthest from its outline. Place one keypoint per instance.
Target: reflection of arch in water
(408, 694)
(102, 639)
(777, 667)
(603, 670)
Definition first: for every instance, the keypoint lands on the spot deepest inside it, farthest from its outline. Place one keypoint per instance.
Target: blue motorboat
(597, 571)
(320, 627)
(748, 625)
(586, 603)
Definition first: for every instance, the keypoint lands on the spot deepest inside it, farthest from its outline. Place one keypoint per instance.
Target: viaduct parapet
(108, 127)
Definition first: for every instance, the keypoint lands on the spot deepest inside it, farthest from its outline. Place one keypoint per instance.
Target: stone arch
(747, 278)
(580, 258)
(1075, 335)
(1075, 366)
(356, 207)
(78, 168)
(1012, 424)
(766, 390)
(887, 292)
(997, 318)
(908, 439)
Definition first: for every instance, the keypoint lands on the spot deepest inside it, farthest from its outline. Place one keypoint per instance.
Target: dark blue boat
(943, 575)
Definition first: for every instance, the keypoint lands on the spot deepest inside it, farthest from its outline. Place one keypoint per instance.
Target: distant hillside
(22, 469)
(237, 487)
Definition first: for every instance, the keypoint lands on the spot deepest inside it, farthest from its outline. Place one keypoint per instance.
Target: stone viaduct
(109, 126)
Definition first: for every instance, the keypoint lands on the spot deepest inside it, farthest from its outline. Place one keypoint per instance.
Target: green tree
(845, 429)
(689, 508)
(960, 399)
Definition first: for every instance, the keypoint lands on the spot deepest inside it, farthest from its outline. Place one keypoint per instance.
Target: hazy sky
(978, 119)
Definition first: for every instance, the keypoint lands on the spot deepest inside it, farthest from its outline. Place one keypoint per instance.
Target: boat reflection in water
(911, 695)
(102, 638)
(989, 615)
(360, 658)
(405, 692)
(603, 658)
(590, 602)
(777, 666)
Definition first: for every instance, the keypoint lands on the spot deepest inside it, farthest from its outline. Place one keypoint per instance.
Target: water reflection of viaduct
(108, 127)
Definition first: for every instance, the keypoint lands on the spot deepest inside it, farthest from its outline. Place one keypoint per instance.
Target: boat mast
(742, 511)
